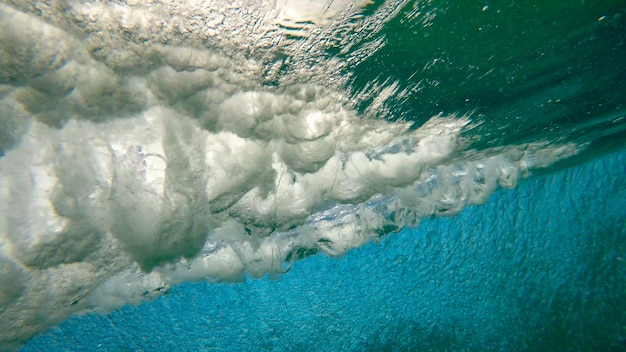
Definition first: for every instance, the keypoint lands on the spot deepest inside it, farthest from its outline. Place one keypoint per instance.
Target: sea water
(537, 268)
(312, 175)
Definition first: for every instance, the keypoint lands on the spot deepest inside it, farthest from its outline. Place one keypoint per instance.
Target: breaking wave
(149, 144)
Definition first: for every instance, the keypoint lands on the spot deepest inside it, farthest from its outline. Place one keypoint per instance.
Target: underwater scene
(307, 175)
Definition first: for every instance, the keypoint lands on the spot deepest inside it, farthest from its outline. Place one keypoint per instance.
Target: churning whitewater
(149, 143)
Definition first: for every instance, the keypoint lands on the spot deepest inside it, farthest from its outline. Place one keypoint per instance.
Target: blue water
(541, 267)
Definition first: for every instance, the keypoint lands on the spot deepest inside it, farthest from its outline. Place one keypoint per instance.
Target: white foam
(143, 148)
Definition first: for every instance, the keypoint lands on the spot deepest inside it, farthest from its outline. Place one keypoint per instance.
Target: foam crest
(137, 205)
(131, 206)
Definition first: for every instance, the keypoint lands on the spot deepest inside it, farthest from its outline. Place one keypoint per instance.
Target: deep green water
(524, 70)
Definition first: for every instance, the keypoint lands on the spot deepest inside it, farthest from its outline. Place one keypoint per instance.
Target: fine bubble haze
(148, 143)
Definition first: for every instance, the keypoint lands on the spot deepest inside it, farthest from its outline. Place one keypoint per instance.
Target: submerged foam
(135, 160)
(525, 257)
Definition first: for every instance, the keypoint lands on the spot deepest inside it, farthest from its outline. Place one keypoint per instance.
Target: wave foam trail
(136, 158)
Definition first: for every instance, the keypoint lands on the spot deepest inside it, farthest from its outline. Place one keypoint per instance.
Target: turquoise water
(311, 175)
(537, 268)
